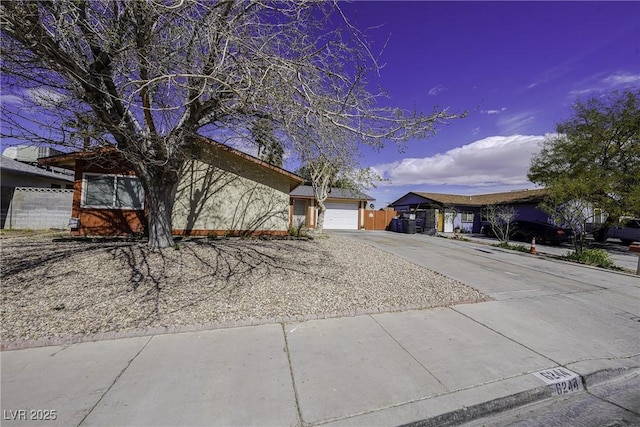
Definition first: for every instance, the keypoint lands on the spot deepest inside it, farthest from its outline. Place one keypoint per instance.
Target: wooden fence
(378, 220)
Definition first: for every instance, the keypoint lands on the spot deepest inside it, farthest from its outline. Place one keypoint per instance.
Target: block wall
(39, 208)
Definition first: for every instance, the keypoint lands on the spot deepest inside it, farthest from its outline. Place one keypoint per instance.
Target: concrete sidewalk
(433, 367)
(389, 369)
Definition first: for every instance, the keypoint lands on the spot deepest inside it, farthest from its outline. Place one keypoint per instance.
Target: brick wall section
(39, 208)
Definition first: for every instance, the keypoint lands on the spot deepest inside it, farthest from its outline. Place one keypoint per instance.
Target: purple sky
(516, 66)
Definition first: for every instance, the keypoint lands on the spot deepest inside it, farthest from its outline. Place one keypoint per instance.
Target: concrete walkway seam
(115, 380)
(409, 353)
(293, 378)
(506, 337)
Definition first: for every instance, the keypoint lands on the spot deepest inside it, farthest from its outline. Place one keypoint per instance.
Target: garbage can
(409, 226)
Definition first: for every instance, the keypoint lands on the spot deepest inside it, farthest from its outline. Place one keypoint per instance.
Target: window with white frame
(467, 216)
(112, 192)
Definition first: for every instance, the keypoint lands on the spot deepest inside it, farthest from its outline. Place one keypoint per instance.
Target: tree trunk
(160, 188)
(320, 222)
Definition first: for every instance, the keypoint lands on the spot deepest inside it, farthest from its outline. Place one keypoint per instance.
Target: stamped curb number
(563, 381)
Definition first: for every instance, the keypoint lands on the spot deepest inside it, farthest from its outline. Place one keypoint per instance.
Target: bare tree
(148, 77)
(574, 214)
(500, 218)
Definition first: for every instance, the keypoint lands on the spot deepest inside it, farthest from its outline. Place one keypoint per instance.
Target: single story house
(345, 208)
(446, 212)
(222, 191)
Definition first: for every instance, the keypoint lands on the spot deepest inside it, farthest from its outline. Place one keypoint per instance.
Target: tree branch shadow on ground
(226, 267)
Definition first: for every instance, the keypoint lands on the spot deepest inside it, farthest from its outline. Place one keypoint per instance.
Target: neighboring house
(345, 208)
(32, 196)
(222, 191)
(446, 212)
(14, 173)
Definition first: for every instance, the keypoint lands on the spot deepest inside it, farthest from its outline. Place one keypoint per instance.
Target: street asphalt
(554, 329)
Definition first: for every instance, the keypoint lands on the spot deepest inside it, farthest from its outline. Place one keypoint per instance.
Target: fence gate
(378, 220)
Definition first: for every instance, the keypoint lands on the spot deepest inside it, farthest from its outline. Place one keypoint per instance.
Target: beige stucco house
(222, 191)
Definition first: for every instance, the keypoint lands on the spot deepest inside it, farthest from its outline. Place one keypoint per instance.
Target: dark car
(627, 230)
(525, 231)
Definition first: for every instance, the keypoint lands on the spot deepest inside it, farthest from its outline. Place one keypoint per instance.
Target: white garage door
(341, 216)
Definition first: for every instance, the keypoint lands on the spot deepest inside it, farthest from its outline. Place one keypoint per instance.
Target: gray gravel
(77, 288)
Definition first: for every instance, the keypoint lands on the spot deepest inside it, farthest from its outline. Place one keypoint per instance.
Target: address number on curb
(562, 380)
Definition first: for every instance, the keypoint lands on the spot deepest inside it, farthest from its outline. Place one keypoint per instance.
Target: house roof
(520, 196)
(9, 164)
(68, 160)
(306, 191)
(294, 180)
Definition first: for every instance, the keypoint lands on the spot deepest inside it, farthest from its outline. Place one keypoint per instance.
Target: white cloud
(491, 112)
(46, 97)
(496, 160)
(11, 99)
(515, 123)
(436, 90)
(621, 79)
(596, 84)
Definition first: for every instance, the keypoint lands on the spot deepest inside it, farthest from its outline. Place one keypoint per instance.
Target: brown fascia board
(68, 160)
(294, 180)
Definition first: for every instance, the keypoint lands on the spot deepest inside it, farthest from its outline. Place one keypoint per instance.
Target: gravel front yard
(53, 289)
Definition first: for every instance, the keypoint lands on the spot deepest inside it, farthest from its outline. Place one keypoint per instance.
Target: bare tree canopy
(500, 218)
(147, 77)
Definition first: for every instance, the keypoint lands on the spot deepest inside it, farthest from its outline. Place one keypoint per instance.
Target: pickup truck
(627, 230)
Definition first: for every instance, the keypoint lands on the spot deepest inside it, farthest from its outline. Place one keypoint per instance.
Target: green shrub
(510, 246)
(298, 231)
(597, 257)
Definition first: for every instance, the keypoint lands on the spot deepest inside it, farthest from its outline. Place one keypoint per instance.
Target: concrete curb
(486, 408)
(520, 399)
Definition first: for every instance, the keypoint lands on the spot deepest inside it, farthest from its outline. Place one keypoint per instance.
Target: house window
(597, 216)
(112, 192)
(467, 216)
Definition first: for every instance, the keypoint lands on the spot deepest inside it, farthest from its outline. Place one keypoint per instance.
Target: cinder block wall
(39, 208)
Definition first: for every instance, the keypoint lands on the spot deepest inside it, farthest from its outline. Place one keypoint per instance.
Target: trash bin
(409, 226)
(399, 225)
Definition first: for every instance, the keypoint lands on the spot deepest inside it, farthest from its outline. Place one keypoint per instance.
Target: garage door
(341, 216)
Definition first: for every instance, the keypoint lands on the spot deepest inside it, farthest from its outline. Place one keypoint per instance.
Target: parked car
(525, 231)
(628, 230)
